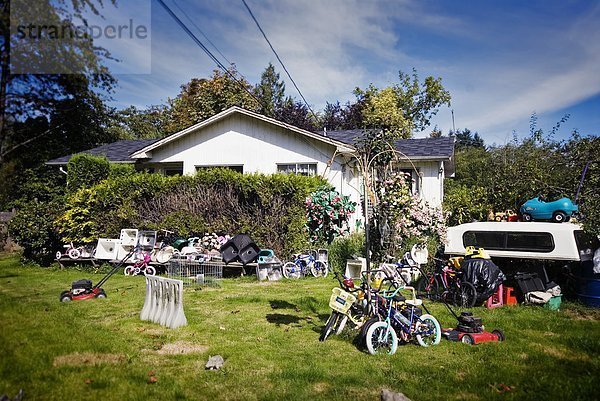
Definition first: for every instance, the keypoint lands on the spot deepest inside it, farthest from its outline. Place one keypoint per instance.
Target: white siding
(240, 140)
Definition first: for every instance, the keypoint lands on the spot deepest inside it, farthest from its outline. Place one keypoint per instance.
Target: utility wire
(208, 52)
(203, 34)
(278, 58)
(212, 57)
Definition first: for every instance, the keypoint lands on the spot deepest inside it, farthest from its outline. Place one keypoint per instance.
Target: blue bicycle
(305, 263)
(403, 321)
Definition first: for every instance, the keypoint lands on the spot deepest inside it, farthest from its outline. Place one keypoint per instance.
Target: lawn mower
(83, 289)
(470, 330)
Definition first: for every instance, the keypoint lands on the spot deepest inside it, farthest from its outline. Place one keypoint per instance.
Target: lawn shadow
(281, 319)
(280, 304)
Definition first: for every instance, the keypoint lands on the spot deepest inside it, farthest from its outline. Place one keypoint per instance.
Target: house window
(235, 167)
(298, 168)
(413, 176)
(509, 241)
(173, 169)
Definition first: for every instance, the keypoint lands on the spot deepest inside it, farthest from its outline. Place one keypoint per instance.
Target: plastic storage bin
(554, 303)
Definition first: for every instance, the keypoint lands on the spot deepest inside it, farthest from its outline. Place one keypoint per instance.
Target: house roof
(415, 148)
(116, 152)
(146, 151)
(128, 150)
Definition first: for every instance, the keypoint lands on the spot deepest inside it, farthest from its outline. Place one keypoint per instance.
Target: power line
(200, 30)
(212, 57)
(278, 58)
(208, 52)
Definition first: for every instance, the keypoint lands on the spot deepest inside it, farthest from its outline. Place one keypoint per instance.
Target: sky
(502, 61)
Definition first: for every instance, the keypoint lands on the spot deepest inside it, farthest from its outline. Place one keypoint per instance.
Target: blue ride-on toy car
(558, 211)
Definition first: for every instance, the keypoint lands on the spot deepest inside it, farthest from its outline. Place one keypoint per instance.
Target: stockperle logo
(49, 38)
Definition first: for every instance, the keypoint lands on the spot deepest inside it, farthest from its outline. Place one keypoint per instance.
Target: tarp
(484, 275)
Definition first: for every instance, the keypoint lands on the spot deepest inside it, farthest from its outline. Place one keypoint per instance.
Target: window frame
(503, 242)
(310, 173)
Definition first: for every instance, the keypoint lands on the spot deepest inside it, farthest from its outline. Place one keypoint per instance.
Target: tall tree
(467, 139)
(296, 113)
(31, 92)
(346, 117)
(270, 92)
(405, 107)
(134, 123)
(202, 98)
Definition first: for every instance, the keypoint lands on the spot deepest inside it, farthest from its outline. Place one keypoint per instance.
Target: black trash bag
(485, 276)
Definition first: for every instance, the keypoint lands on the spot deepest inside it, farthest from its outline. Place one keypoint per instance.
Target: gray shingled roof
(116, 152)
(442, 147)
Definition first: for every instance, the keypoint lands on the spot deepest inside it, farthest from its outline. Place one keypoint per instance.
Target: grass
(268, 336)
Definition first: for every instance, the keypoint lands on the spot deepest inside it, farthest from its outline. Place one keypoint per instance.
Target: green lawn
(268, 335)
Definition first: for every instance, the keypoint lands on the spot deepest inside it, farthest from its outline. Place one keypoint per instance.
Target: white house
(249, 142)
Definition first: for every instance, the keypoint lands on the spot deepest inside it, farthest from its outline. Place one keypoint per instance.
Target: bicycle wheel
(290, 270)
(74, 253)
(341, 323)
(331, 322)
(318, 269)
(465, 295)
(381, 338)
(428, 331)
(129, 270)
(149, 271)
(58, 255)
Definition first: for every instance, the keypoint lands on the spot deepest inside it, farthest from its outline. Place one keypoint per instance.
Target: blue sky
(501, 60)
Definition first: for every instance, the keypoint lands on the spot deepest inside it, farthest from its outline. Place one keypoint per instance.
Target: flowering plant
(409, 220)
(327, 215)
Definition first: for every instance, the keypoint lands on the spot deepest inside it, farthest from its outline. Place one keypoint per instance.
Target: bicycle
(141, 265)
(446, 284)
(75, 252)
(346, 306)
(403, 321)
(303, 264)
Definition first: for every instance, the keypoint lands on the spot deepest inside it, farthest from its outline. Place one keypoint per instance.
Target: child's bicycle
(141, 265)
(403, 321)
(360, 305)
(305, 263)
(75, 252)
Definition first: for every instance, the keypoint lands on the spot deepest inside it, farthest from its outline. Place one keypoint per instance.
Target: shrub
(33, 229)
(404, 220)
(86, 170)
(269, 208)
(346, 247)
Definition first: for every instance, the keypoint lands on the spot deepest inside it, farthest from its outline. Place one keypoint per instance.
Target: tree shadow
(281, 319)
(280, 304)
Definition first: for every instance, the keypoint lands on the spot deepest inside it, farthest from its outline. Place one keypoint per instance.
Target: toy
(507, 215)
(558, 211)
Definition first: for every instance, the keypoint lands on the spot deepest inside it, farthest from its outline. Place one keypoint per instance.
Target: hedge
(269, 208)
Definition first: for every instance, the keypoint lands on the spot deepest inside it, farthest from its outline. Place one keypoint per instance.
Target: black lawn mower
(83, 289)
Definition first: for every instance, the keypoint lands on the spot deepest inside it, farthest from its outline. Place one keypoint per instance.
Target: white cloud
(500, 66)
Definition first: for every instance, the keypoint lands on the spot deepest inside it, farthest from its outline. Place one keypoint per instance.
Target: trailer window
(491, 240)
(586, 244)
(509, 241)
(530, 242)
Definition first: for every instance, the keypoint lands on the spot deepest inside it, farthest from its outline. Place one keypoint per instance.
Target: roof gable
(146, 151)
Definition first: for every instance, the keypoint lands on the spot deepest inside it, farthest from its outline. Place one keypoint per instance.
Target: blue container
(588, 291)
